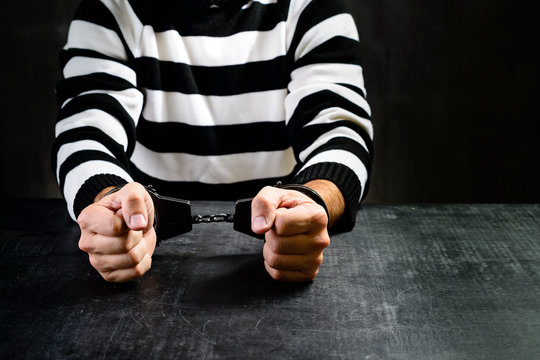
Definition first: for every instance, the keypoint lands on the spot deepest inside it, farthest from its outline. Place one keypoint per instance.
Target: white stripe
(326, 137)
(224, 169)
(337, 114)
(240, 48)
(67, 150)
(296, 96)
(98, 119)
(337, 25)
(77, 176)
(130, 25)
(130, 99)
(250, 3)
(264, 2)
(341, 157)
(79, 66)
(196, 50)
(194, 109)
(85, 35)
(326, 73)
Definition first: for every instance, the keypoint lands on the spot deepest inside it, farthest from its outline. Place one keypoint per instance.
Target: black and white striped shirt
(211, 99)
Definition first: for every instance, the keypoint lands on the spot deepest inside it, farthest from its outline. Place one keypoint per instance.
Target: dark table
(410, 282)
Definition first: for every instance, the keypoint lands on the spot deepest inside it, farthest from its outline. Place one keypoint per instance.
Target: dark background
(453, 87)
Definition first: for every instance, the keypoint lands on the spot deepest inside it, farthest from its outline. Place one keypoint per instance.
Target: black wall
(453, 87)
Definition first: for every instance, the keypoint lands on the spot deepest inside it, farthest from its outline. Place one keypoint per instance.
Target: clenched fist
(296, 233)
(117, 233)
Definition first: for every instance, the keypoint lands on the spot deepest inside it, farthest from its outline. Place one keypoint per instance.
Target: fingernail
(259, 222)
(137, 221)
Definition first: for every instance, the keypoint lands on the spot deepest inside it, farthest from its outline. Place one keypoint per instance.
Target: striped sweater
(211, 99)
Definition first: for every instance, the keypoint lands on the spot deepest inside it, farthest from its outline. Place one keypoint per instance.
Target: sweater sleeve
(99, 106)
(328, 117)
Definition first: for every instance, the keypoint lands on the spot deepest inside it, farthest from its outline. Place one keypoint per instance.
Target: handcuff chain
(199, 219)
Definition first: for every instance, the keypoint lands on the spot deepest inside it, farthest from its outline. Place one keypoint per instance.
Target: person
(212, 99)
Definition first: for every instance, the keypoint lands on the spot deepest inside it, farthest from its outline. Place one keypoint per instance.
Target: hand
(296, 234)
(117, 233)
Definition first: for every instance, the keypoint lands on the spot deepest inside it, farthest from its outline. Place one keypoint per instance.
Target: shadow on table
(237, 279)
(202, 281)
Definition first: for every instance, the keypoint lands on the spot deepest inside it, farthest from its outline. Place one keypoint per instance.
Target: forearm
(95, 128)
(333, 198)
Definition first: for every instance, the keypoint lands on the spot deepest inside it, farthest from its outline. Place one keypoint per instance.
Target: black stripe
(71, 87)
(89, 133)
(222, 22)
(201, 191)
(316, 12)
(225, 80)
(105, 103)
(81, 157)
(310, 106)
(97, 13)
(338, 49)
(355, 89)
(311, 133)
(342, 143)
(91, 187)
(212, 140)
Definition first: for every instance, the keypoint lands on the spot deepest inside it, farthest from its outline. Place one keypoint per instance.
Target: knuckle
(317, 261)
(139, 271)
(96, 262)
(280, 225)
(319, 218)
(322, 242)
(125, 246)
(83, 220)
(142, 267)
(134, 193)
(272, 259)
(108, 276)
(262, 199)
(134, 197)
(275, 243)
(84, 244)
(311, 275)
(116, 225)
(278, 275)
(131, 241)
(134, 257)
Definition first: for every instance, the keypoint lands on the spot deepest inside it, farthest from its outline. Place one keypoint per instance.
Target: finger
(305, 218)
(297, 244)
(151, 240)
(306, 262)
(133, 273)
(109, 245)
(136, 206)
(108, 262)
(290, 276)
(100, 219)
(263, 208)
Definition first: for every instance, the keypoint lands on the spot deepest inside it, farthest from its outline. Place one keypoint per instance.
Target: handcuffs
(173, 216)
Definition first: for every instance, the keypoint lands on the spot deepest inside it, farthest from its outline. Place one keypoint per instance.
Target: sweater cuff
(91, 187)
(346, 181)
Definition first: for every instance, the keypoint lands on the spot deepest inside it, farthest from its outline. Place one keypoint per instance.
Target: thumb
(263, 209)
(135, 209)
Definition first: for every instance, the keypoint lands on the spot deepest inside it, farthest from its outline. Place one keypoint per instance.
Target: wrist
(102, 193)
(332, 196)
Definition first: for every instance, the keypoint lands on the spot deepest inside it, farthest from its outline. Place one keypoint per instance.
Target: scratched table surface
(410, 282)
